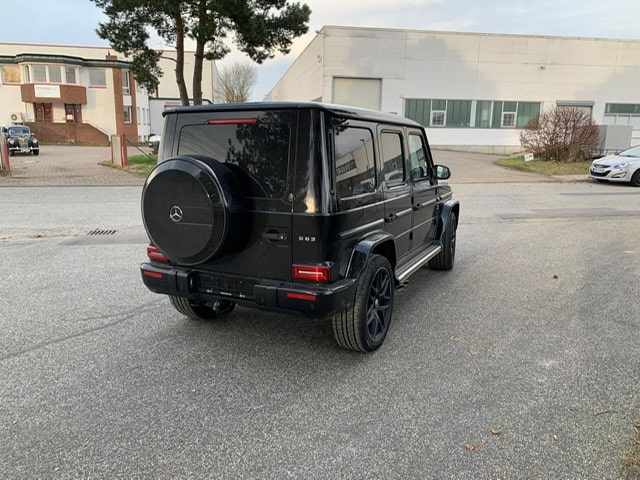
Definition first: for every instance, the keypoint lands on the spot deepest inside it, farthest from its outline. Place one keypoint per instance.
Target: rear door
(397, 189)
(258, 147)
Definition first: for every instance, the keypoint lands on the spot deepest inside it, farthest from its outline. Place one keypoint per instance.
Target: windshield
(632, 152)
(19, 131)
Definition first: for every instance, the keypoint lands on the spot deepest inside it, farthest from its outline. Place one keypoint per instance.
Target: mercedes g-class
(318, 209)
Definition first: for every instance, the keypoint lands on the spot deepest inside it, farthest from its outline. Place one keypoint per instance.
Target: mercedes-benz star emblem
(175, 214)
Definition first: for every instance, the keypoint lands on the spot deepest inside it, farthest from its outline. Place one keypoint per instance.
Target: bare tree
(562, 134)
(236, 81)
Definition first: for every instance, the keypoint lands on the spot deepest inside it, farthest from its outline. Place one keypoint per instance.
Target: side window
(392, 158)
(418, 157)
(355, 162)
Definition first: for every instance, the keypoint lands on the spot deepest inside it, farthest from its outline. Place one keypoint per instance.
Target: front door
(425, 191)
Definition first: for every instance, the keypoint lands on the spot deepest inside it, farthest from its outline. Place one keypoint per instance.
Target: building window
(39, 73)
(622, 114)
(418, 109)
(125, 82)
(97, 77)
(460, 113)
(43, 74)
(509, 112)
(527, 111)
(128, 115)
(438, 118)
(73, 113)
(624, 108)
(70, 74)
(483, 113)
(55, 75)
(43, 112)
(10, 74)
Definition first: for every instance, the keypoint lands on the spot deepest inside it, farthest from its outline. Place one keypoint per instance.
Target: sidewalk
(64, 165)
(480, 168)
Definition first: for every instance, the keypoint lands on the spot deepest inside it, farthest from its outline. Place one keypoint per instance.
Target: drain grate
(97, 231)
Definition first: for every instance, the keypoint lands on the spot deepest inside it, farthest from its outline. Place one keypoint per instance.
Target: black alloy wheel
(364, 327)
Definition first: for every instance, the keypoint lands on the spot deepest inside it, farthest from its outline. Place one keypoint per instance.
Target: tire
(364, 326)
(198, 311)
(193, 209)
(635, 178)
(36, 152)
(446, 258)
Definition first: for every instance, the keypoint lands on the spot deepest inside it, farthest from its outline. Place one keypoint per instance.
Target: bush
(562, 135)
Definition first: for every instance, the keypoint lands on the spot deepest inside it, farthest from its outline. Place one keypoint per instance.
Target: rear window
(257, 149)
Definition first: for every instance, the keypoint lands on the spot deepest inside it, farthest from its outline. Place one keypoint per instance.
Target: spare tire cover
(192, 208)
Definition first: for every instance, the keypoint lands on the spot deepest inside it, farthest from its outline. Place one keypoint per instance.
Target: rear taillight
(312, 273)
(156, 255)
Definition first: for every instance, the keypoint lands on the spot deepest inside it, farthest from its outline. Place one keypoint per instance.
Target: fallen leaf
(496, 432)
(471, 447)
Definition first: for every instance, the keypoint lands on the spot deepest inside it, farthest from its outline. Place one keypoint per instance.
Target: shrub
(561, 134)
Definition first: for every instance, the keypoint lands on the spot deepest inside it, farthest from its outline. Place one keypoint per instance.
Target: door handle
(390, 218)
(274, 236)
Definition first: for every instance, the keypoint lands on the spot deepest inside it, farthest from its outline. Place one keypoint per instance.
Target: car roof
(337, 110)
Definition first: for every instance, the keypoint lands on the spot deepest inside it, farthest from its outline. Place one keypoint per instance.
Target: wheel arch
(380, 243)
(451, 206)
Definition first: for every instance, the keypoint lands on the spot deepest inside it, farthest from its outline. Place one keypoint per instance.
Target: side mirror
(442, 172)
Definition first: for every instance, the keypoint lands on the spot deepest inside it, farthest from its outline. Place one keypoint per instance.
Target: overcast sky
(73, 22)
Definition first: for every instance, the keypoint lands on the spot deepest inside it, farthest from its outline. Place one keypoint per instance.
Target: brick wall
(68, 133)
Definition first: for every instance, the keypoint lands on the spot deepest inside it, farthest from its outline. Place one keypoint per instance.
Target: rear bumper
(309, 299)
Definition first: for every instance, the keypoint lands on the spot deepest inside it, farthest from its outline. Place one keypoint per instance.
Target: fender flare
(379, 242)
(445, 211)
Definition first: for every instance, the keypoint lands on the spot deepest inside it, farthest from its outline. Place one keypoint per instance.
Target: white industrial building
(472, 91)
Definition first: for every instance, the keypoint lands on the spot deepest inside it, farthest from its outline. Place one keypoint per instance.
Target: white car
(154, 142)
(621, 167)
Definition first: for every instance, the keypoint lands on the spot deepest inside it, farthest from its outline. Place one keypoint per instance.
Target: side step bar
(403, 272)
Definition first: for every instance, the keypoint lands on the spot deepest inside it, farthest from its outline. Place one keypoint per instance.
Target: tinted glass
(256, 149)
(355, 166)
(392, 158)
(418, 157)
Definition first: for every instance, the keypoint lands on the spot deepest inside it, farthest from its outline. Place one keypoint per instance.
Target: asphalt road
(522, 362)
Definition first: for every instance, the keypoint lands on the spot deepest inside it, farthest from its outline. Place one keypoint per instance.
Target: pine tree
(259, 28)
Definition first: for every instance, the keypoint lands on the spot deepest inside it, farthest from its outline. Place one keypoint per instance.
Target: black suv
(318, 209)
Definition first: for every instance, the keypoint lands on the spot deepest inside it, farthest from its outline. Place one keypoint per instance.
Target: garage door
(357, 92)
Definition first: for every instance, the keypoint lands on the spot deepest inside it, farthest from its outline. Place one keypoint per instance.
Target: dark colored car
(303, 208)
(21, 140)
